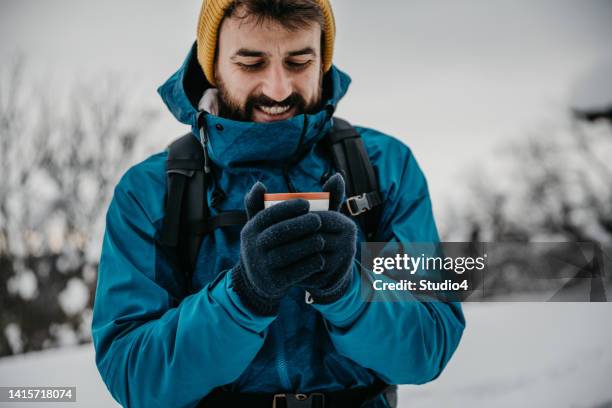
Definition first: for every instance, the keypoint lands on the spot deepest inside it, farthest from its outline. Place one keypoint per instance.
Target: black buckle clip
(314, 400)
(358, 204)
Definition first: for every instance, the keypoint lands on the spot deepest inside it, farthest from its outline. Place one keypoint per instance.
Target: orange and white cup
(318, 201)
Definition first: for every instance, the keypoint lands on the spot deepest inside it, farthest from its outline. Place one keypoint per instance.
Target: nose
(277, 84)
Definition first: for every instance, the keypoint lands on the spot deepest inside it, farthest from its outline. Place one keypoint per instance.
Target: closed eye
(250, 67)
(298, 65)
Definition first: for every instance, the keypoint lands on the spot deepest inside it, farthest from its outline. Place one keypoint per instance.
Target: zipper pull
(203, 142)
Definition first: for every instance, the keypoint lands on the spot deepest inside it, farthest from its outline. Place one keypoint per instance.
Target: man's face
(265, 72)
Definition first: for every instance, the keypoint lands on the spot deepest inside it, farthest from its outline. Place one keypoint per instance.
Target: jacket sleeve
(149, 352)
(404, 341)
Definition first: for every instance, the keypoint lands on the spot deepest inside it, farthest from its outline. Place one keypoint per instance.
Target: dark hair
(291, 14)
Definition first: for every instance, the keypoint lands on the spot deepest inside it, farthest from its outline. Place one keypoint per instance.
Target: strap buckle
(278, 397)
(358, 204)
(314, 400)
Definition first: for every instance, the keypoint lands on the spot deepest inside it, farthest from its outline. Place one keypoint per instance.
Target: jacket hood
(232, 142)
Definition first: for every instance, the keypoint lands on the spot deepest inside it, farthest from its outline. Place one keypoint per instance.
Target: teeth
(274, 110)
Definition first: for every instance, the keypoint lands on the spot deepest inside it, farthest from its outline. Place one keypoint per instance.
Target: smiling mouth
(274, 110)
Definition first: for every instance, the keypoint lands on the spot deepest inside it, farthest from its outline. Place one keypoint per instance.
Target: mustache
(292, 100)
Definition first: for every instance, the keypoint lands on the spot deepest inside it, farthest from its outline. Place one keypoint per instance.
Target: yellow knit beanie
(211, 15)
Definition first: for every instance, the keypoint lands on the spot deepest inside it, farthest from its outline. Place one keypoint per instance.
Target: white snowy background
(453, 80)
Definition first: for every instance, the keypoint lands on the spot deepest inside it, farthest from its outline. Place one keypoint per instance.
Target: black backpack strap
(351, 159)
(187, 216)
(185, 200)
(221, 220)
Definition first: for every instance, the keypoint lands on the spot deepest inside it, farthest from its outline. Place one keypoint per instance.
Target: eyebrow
(303, 51)
(245, 52)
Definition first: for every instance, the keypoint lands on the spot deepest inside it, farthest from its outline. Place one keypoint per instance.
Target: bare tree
(560, 187)
(59, 159)
(559, 190)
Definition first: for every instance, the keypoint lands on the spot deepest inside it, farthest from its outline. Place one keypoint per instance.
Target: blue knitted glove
(279, 247)
(340, 235)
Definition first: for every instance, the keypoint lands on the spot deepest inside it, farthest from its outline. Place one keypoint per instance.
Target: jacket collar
(233, 143)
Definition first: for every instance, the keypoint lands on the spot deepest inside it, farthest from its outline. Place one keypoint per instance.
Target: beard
(229, 108)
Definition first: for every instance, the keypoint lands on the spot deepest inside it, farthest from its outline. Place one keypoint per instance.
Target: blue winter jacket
(156, 349)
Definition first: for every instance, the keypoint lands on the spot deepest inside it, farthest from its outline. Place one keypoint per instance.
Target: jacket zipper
(298, 153)
(290, 185)
(281, 361)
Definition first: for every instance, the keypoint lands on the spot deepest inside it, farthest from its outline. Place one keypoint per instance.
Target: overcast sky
(451, 79)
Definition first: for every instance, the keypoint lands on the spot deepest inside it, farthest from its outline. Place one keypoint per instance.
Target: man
(259, 90)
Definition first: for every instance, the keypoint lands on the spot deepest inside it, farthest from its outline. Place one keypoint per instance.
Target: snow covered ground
(526, 355)
(512, 354)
